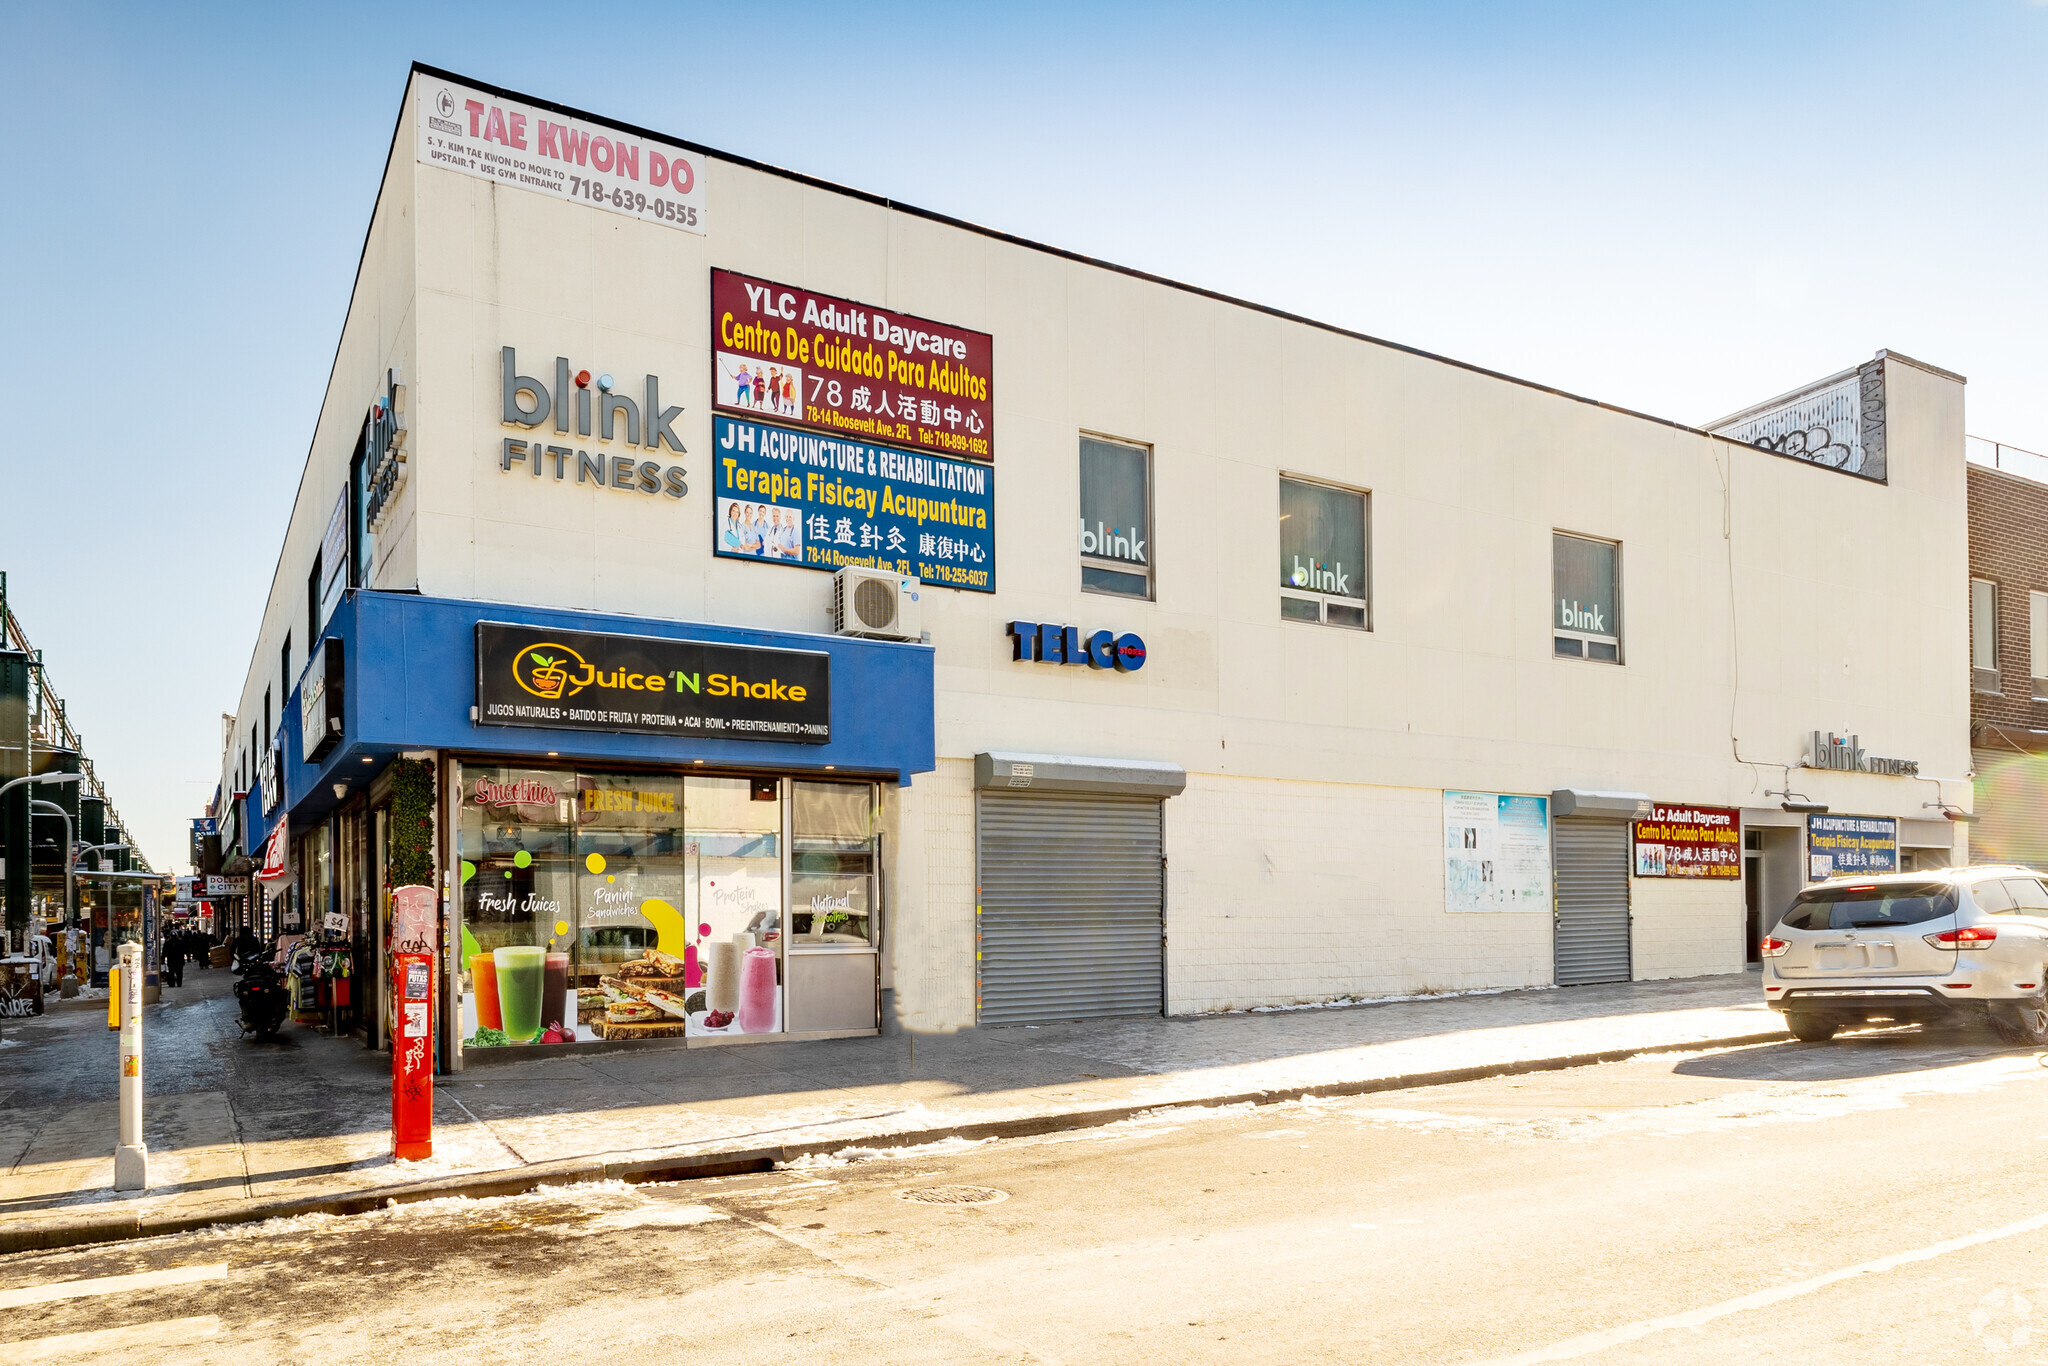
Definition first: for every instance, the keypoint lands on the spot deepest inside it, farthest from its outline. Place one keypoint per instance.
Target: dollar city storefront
(645, 831)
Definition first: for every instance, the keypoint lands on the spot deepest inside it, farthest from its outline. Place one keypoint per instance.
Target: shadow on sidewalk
(315, 1109)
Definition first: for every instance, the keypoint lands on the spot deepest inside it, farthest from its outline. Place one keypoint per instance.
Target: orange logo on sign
(551, 671)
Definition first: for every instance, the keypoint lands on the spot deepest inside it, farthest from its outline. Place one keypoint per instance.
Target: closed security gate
(1592, 901)
(1072, 906)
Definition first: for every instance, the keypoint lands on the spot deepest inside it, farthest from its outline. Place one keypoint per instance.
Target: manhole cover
(953, 1195)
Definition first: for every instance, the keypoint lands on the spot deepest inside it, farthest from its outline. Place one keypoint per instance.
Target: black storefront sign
(580, 680)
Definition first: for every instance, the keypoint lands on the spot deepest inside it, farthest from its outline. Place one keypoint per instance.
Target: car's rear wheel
(2022, 1022)
(1811, 1028)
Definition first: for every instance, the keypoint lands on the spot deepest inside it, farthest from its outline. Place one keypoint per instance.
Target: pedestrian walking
(174, 959)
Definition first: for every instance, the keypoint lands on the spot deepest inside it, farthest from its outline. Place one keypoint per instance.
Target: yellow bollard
(113, 998)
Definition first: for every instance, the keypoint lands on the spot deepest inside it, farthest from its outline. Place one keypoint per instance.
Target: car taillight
(1968, 937)
(1775, 948)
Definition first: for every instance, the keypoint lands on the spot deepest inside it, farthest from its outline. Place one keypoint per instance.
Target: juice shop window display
(619, 905)
(518, 907)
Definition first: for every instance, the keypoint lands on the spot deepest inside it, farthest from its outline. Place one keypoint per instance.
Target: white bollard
(131, 1158)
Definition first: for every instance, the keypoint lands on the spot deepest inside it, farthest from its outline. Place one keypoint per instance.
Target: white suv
(1914, 947)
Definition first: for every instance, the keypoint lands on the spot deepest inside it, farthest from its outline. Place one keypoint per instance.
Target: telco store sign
(1046, 642)
(581, 680)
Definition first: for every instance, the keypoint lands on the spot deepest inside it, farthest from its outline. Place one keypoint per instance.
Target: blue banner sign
(825, 502)
(1850, 846)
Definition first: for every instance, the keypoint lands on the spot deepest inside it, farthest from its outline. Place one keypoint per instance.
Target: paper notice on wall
(529, 147)
(1496, 852)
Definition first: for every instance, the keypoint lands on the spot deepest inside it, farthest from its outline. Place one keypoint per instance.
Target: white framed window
(1585, 613)
(1984, 636)
(1116, 518)
(2037, 641)
(1325, 549)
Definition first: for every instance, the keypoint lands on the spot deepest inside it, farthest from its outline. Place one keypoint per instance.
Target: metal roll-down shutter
(1592, 870)
(1072, 906)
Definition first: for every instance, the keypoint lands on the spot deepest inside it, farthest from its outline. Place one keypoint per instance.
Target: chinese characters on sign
(1689, 841)
(826, 503)
(1496, 852)
(530, 148)
(1838, 846)
(813, 360)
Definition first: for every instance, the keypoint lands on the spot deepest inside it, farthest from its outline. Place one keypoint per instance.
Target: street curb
(84, 1230)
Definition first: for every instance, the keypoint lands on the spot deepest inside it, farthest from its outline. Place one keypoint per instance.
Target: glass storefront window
(518, 905)
(735, 902)
(629, 867)
(632, 905)
(832, 864)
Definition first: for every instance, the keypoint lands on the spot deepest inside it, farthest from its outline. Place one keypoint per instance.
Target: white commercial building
(1102, 645)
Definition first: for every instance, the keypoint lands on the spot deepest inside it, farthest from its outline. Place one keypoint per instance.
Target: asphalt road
(1880, 1199)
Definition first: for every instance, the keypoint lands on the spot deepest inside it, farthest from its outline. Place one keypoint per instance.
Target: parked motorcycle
(264, 998)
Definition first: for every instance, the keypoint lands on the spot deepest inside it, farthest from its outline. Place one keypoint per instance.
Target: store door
(1753, 896)
(1592, 901)
(1072, 907)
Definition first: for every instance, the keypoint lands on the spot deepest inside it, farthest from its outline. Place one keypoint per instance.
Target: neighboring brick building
(2009, 666)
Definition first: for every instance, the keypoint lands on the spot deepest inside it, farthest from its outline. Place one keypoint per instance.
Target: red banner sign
(782, 354)
(412, 1056)
(1689, 841)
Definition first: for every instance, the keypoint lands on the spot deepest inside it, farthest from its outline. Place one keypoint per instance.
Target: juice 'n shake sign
(581, 680)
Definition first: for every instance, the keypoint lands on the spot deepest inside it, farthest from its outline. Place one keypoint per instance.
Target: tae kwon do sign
(542, 150)
(579, 680)
(784, 354)
(1689, 841)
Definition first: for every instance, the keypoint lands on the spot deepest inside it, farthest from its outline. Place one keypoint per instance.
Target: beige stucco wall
(1761, 595)
(378, 332)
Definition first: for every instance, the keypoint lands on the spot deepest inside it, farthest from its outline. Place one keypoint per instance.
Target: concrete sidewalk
(240, 1131)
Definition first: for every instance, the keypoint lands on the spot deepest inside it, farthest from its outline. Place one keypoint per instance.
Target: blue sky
(1681, 208)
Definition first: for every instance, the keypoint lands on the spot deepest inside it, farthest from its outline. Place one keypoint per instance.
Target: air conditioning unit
(873, 603)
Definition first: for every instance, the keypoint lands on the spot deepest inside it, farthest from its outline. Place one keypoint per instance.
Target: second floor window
(1116, 518)
(1585, 609)
(2037, 641)
(1323, 547)
(1984, 636)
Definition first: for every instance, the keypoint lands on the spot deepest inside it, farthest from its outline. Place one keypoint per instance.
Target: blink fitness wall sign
(789, 355)
(544, 151)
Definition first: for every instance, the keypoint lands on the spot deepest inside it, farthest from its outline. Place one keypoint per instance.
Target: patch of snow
(1342, 1002)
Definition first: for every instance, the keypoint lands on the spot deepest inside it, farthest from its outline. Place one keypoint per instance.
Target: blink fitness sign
(1049, 643)
(545, 151)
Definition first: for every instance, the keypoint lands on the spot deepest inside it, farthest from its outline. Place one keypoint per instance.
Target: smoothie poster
(1496, 852)
(833, 365)
(820, 502)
